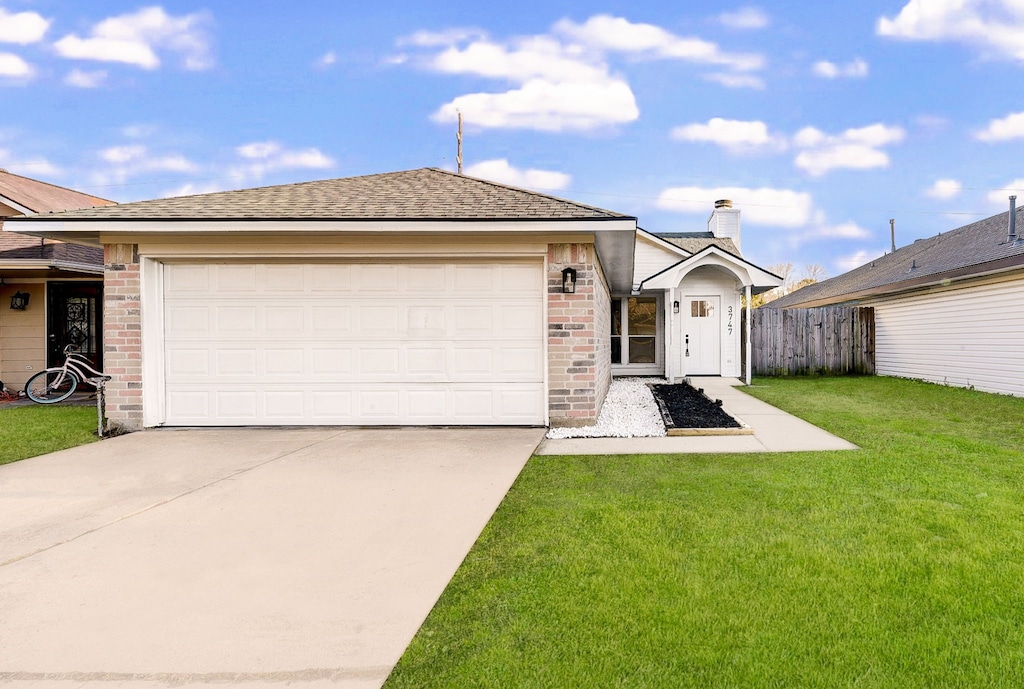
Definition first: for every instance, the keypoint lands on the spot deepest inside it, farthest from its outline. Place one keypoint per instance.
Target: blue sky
(820, 120)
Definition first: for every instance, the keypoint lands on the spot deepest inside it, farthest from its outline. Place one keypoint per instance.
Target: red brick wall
(122, 336)
(579, 337)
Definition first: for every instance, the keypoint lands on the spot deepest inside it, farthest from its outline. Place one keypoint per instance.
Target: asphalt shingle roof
(14, 246)
(698, 241)
(967, 249)
(426, 193)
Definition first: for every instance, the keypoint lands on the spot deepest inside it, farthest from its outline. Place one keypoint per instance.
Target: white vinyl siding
(650, 258)
(403, 343)
(969, 336)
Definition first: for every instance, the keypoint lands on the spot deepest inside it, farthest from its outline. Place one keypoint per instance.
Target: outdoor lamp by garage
(19, 301)
(569, 280)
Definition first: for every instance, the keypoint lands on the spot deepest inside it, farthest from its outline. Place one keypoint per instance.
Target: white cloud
(562, 81)
(85, 80)
(14, 67)
(846, 263)
(438, 39)
(135, 39)
(857, 69)
(558, 88)
(764, 206)
(1009, 127)
(501, 171)
(1001, 197)
(547, 106)
(736, 81)
(123, 163)
(744, 18)
(994, 27)
(29, 166)
(944, 189)
(855, 149)
(326, 60)
(617, 34)
(261, 158)
(531, 58)
(846, 230)
(734, 135)
(22, 27)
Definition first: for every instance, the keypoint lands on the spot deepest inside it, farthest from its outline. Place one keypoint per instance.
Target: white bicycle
(58, 383)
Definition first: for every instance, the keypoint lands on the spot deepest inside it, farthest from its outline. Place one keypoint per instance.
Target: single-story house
(50, 291)
(420, 297)
(947, 308)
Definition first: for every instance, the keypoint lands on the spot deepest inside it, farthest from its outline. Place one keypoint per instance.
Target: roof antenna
(458, 137)
(892, 233)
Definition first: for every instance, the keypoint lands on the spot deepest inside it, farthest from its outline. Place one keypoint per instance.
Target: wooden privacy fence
(831, 340)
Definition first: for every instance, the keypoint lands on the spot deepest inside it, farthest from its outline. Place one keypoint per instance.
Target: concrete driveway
(276, 557)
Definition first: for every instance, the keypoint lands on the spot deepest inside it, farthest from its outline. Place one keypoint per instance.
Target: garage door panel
(335, 320)
(235, 279)
(186, 280)
(289, 405)
(354, 343)
(333, 279)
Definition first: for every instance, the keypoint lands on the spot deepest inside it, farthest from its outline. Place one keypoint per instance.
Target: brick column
(122, 336)
(579, 337)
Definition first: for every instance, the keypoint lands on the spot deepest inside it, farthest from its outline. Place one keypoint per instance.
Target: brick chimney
(725, 221)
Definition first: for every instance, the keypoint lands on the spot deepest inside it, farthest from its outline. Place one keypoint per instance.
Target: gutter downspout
(750, 312)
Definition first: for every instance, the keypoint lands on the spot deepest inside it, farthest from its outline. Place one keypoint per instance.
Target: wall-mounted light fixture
(19, 301)
(569, 280)
(675, 307)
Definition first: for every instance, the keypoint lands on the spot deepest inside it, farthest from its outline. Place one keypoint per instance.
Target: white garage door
(358, 343)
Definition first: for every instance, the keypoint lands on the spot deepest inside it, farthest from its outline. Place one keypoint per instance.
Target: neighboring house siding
(966, 335)
(122, 336)
(22, 335)
(579, 337)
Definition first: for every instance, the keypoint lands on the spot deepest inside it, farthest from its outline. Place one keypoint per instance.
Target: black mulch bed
(689, 407)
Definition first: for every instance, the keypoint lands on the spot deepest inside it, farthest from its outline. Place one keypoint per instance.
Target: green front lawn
(38, 429)
(900, 565)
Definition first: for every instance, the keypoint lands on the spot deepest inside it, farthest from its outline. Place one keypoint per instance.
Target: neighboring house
(58, 284)
(683, 316)
(420, 297)
(947, 308)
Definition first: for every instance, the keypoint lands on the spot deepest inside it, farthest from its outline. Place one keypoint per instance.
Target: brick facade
(579, 337)
(122, 336)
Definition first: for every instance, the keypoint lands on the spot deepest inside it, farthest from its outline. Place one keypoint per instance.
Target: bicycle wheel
(47, 387)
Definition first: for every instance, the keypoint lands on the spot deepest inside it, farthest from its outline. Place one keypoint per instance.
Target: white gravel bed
(629, 411)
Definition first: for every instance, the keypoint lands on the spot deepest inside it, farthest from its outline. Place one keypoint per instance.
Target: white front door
(702, 333)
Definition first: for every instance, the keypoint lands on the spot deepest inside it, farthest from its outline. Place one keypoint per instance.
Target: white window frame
(658, 367)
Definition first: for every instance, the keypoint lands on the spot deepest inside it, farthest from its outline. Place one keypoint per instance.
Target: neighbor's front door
(75, 316)
(702, 336)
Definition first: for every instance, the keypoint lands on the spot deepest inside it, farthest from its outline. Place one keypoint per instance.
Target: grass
(900, 565)
(36, 430)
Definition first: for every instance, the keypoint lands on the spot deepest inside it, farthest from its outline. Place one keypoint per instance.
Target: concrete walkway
(774, 431)
(247, 557)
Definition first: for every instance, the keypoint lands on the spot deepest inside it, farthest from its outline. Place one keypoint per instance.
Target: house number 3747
(729, 322)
